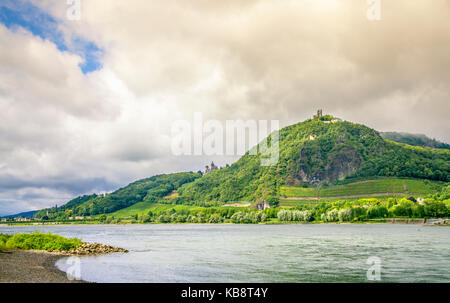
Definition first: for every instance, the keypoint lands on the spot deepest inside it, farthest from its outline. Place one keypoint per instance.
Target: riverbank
(434, 221)
(18, 266)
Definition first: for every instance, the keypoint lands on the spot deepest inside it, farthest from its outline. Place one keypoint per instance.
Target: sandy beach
(31, 267)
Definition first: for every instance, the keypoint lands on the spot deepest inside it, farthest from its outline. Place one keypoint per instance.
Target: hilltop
(319, 152)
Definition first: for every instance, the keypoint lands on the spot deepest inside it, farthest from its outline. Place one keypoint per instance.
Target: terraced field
(383, 186)
(377, 188)
(292, 202)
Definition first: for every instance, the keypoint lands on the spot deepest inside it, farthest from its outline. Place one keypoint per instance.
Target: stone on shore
(94, 249)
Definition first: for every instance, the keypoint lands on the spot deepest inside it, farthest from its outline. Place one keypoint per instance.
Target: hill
(414, 140)
(150, 190)
(315, 153)
(319, 152)
(26, 214)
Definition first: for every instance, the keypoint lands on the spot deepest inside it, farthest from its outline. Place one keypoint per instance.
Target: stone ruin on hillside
(210, 169)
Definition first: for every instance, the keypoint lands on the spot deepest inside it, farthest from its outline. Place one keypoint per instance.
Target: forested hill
(414, 139)
(316, 152)
(151, 190)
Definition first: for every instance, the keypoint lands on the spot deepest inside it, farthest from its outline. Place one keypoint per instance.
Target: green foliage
(315, 153)
(38, 241)
(295, 215)
(150, 190)
(367, 209)
(248, 217)
(3, 239)
(375, 186)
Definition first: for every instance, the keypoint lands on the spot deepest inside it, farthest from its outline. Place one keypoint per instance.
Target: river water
(261, 253)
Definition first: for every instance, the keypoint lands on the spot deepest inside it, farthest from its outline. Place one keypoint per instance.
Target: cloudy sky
(87, 105)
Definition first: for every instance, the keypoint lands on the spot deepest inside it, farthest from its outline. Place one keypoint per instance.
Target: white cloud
(164, 60)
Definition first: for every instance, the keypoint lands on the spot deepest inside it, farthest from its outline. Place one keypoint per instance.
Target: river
(261, 253)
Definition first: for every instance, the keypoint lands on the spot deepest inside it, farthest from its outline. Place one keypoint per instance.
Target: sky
(87, 105)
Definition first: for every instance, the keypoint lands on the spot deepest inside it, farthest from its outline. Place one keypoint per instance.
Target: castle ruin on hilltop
(210, 169)
(319, 114)
(326, 118)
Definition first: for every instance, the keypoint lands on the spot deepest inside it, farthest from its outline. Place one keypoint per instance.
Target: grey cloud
(68, 184)
(236, 59)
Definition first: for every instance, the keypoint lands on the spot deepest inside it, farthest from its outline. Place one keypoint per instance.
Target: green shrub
(40, 241)
(3, 239)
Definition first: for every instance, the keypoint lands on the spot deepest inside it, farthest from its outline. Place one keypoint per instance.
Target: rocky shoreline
(94, 249)
(21, 266)
(31, 266)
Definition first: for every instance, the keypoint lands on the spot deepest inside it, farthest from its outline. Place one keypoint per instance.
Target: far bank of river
(259, 253)
(432, 221)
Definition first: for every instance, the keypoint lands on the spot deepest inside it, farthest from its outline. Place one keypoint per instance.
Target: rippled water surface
(261, 253)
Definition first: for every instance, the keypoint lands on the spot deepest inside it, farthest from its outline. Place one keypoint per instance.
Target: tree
(345, 214)
(332, 215)
(215, 218)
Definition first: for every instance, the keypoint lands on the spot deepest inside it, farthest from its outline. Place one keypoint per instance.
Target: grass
(376, 186)
(172, 195)
(37, 241)
(297, 202)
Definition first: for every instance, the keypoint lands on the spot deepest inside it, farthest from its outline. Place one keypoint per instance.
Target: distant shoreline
(388, 221)
(24, 266)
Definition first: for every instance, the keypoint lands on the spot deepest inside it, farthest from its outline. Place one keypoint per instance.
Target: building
(319, 114)
(262, 205)
(76, 218)
(209, 169)
(20, 219)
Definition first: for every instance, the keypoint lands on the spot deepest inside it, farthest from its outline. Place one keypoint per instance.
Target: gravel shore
(31, 267)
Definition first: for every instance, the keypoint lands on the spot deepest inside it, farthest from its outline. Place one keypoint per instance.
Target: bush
(252, 217)
(39, 241)
(332, 215)
(3, 239)
(345, 214)
(215, 218)
(435, 209)
(296, 215)
(284, 215)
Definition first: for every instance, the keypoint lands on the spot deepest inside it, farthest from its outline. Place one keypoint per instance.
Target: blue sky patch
(19, 13)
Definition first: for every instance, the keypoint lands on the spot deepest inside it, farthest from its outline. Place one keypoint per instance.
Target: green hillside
(323, 153)
(150, 190)
(317, 153)
(376, 186)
